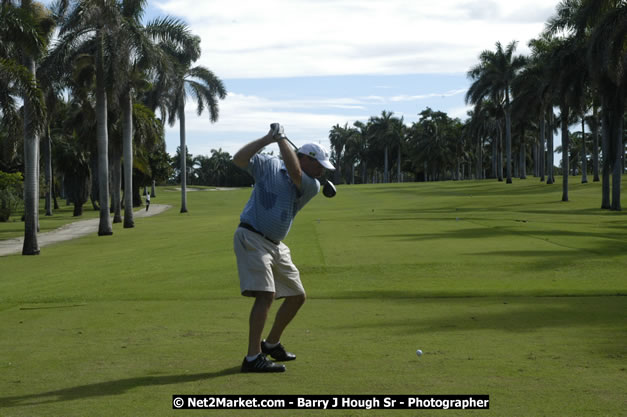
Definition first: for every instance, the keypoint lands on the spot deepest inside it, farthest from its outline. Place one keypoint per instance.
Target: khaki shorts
(264, 266)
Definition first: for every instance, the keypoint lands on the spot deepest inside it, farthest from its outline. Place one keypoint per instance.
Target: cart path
(71, 231)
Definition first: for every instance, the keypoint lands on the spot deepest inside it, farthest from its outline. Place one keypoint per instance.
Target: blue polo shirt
(275, 199)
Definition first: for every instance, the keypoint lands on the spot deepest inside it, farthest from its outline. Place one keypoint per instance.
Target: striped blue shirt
(275, 199)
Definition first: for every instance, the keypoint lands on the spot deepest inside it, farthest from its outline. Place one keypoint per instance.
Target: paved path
(71, 231)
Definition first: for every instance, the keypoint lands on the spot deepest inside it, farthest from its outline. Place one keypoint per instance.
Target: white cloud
(280, 38)
(246, 117)
(245, 113)
(429, 95)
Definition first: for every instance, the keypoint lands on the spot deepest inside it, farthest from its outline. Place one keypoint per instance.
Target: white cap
(317, 151)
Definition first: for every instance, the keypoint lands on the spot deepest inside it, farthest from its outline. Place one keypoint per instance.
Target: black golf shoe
(278, 352)
(261, 364)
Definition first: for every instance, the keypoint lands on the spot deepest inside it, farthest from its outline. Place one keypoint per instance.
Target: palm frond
(176, 36)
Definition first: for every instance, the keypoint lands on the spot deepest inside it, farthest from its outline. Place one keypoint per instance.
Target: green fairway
(507, 290)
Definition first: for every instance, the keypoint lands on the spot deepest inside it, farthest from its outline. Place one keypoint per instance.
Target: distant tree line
(215, 170)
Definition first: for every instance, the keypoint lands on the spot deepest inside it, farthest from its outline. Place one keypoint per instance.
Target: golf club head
(328, 189)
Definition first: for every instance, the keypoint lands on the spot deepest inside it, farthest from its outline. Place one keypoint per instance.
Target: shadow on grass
(486, 188)
(618, 238)
(102, 389)
(509, 315)
(561, 212)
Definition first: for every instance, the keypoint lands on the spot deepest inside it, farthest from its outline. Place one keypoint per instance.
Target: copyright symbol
(178, 402)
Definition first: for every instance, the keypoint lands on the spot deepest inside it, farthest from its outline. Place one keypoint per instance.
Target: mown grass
(507, 290)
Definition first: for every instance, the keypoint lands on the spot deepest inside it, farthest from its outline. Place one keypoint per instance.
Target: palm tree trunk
(479, 159)
(616, 140)
(183, 159)
(104, 227)
(595, 151)
(458, 169)
(386, 177)
(536, 160)
(541, 154)
(47, 154)
(499, 160)
(338, 168)
(607, 159)
(153, 194)
(523, 156)
(549, 149)
(584, 157)
(127, 139)
(54, 191)
(565, 150)
(31, 178)
(398, 165)
(495, 153)
(116, 184)
(508, 140)
(95, 187)
(353, 173)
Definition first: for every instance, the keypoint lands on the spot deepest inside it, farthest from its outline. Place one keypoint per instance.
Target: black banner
(331, 402)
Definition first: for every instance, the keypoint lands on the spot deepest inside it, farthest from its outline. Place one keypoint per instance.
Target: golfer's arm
(291, 162)
(242, 157)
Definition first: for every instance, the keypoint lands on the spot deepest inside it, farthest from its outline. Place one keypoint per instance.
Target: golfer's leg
(257, 321)
(284, 316)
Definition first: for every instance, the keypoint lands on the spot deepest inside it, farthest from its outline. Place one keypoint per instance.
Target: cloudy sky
(312, 64)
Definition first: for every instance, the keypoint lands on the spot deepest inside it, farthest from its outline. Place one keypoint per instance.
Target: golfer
(264, 263)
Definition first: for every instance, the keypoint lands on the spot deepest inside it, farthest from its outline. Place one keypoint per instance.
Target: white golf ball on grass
(419, 352)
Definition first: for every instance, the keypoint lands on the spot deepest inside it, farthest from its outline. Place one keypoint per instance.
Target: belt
(252, 229)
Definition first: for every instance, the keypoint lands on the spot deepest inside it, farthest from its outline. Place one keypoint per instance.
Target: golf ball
(419, 352)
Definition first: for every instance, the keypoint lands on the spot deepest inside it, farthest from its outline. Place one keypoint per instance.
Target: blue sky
(312, 64)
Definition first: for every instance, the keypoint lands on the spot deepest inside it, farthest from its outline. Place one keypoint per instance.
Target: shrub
(11, 194)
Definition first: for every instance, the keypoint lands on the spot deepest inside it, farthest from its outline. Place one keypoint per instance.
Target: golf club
(328, 189)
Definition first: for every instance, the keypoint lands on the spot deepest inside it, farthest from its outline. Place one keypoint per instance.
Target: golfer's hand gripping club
(328, 189)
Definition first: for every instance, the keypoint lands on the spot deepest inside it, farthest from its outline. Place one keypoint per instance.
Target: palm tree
(398, 136)
(220, 163)
(361, 147)
(182, 170)
(137, 53)
(484, 124)
(353, 150)
(27, 32)
(473, 128)
(533, 96)
(492, 78)
(434, 141)
(584, 154)
(172, 90)
(74, 161)
(567, 67)
(593, 123)
(338, 137)
(387, 131)
(88, 31)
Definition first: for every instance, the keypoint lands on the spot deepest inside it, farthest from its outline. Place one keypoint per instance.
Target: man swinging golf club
(264, 263)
